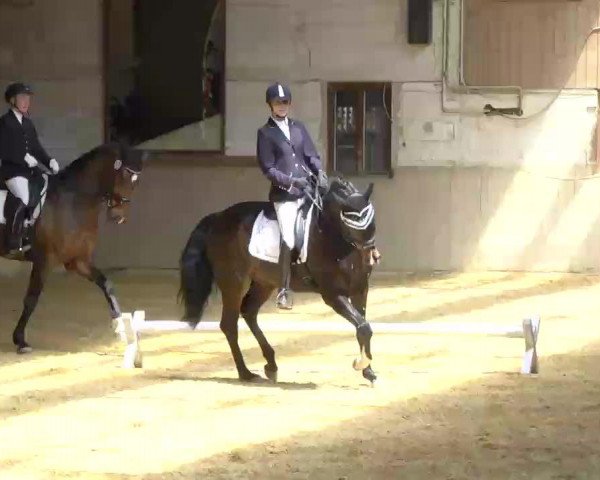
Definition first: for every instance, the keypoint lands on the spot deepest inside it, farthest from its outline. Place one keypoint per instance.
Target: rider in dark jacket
(20, 153)
(288, 157)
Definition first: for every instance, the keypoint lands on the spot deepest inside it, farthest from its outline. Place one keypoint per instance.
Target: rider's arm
(311, 156)
(6, 153)
(38, 151)
(266, 160)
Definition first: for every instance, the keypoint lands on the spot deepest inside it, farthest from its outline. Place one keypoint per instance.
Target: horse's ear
(339, 200)
(369, 191)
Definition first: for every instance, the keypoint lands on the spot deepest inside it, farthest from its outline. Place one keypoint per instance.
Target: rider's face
(21, 102)
(280, 108)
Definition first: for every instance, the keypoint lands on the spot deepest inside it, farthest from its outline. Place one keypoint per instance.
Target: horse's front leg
(344, 307)
(93, 274)
(360, 302)
(37, 279)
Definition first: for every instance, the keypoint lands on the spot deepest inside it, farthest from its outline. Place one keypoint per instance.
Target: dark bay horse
(341, 253)
(67, 229)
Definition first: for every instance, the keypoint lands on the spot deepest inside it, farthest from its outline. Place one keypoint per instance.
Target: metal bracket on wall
(17, 3)
(490, 110)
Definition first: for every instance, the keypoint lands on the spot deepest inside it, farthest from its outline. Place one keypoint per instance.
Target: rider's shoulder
(4, 121)
(297, 123)
(265, 128)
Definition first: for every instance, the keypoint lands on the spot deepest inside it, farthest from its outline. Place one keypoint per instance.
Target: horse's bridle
(317, 201)
(114, 200)
(370, 244)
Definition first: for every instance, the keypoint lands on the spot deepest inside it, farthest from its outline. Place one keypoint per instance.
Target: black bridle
(317, 201)
(114, 200)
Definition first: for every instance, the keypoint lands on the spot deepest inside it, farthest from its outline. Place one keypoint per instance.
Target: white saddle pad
(266, 238)
(36, 212)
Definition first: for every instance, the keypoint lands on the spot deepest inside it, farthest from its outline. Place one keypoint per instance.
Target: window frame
(210, 157)
(332, 89)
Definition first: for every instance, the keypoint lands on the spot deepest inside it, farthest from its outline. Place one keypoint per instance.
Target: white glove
(54, 166)
(31, 161)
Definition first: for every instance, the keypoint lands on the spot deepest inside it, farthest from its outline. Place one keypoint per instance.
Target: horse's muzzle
(117, 215)
(374, 256)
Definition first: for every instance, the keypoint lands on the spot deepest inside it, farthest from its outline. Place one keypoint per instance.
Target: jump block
(531, 329)
(131, 325)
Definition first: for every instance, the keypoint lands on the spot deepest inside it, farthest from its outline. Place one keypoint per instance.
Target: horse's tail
(196, 272)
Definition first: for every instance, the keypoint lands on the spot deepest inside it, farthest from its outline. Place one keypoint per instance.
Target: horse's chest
(354, 272)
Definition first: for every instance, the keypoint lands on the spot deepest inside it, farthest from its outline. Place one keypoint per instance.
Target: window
(164, 73)
(359, 128)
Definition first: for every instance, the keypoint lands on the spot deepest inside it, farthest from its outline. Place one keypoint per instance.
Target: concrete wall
(120, 49)
(56, 46)
(468, 192)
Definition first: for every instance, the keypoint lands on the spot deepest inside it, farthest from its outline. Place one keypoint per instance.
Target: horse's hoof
(251, 378)
(360, 363)
(22, 349)
(271, 374)
(369, 375)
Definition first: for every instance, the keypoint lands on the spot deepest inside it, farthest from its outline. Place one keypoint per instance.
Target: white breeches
(19, 187)
(286, 217)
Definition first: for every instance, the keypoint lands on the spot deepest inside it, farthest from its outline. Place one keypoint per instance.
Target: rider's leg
(286, 216)
(19, 187)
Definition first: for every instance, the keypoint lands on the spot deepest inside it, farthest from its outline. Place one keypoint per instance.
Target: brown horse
(67, 229)
(341, 253)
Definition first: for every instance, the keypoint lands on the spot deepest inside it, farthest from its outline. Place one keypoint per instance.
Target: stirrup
(284, 300)
(13, 252)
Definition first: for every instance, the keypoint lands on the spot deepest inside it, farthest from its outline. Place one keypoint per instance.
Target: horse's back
(241, 214)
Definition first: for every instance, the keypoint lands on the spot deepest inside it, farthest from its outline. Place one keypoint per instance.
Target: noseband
(370, 244)
(114, 200)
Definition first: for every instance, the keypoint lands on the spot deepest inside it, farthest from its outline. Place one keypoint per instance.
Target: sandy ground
(447, 407)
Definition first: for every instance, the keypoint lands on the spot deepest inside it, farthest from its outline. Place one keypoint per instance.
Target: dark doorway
(165, 66)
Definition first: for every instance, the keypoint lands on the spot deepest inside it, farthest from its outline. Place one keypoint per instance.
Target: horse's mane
(68, 177)
(342, 187)
(81, 163)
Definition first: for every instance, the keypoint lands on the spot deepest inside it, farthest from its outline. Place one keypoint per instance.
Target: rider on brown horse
(287, 156)
(20, 154)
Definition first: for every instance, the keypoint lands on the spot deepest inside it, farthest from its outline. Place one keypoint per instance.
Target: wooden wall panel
(534, 44)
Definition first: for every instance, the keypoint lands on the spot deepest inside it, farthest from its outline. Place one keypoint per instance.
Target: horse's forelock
(131, 158)
(348, 194)
(343, 188)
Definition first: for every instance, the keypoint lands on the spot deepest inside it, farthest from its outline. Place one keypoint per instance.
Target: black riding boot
(16, 228)
(284, 296)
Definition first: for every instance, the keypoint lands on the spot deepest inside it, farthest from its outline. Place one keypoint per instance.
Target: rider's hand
(295, 191)
(322, 180)
(54, 166)
(300, 183)
(30, 160)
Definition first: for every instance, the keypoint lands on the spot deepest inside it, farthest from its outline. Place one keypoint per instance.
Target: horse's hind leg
(254, 299)
(232, 299)
(37, 279)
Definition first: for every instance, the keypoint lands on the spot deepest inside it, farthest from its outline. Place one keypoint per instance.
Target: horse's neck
(88, 182)
(325, 233)
(66, 201)
(80, 190)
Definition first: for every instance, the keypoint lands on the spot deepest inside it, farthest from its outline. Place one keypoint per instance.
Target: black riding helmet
(15, 89)
(277, 91)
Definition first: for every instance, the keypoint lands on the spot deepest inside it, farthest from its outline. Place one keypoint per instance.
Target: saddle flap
(269, 212)
(301, 225)
(38, 187)
(265, 240)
